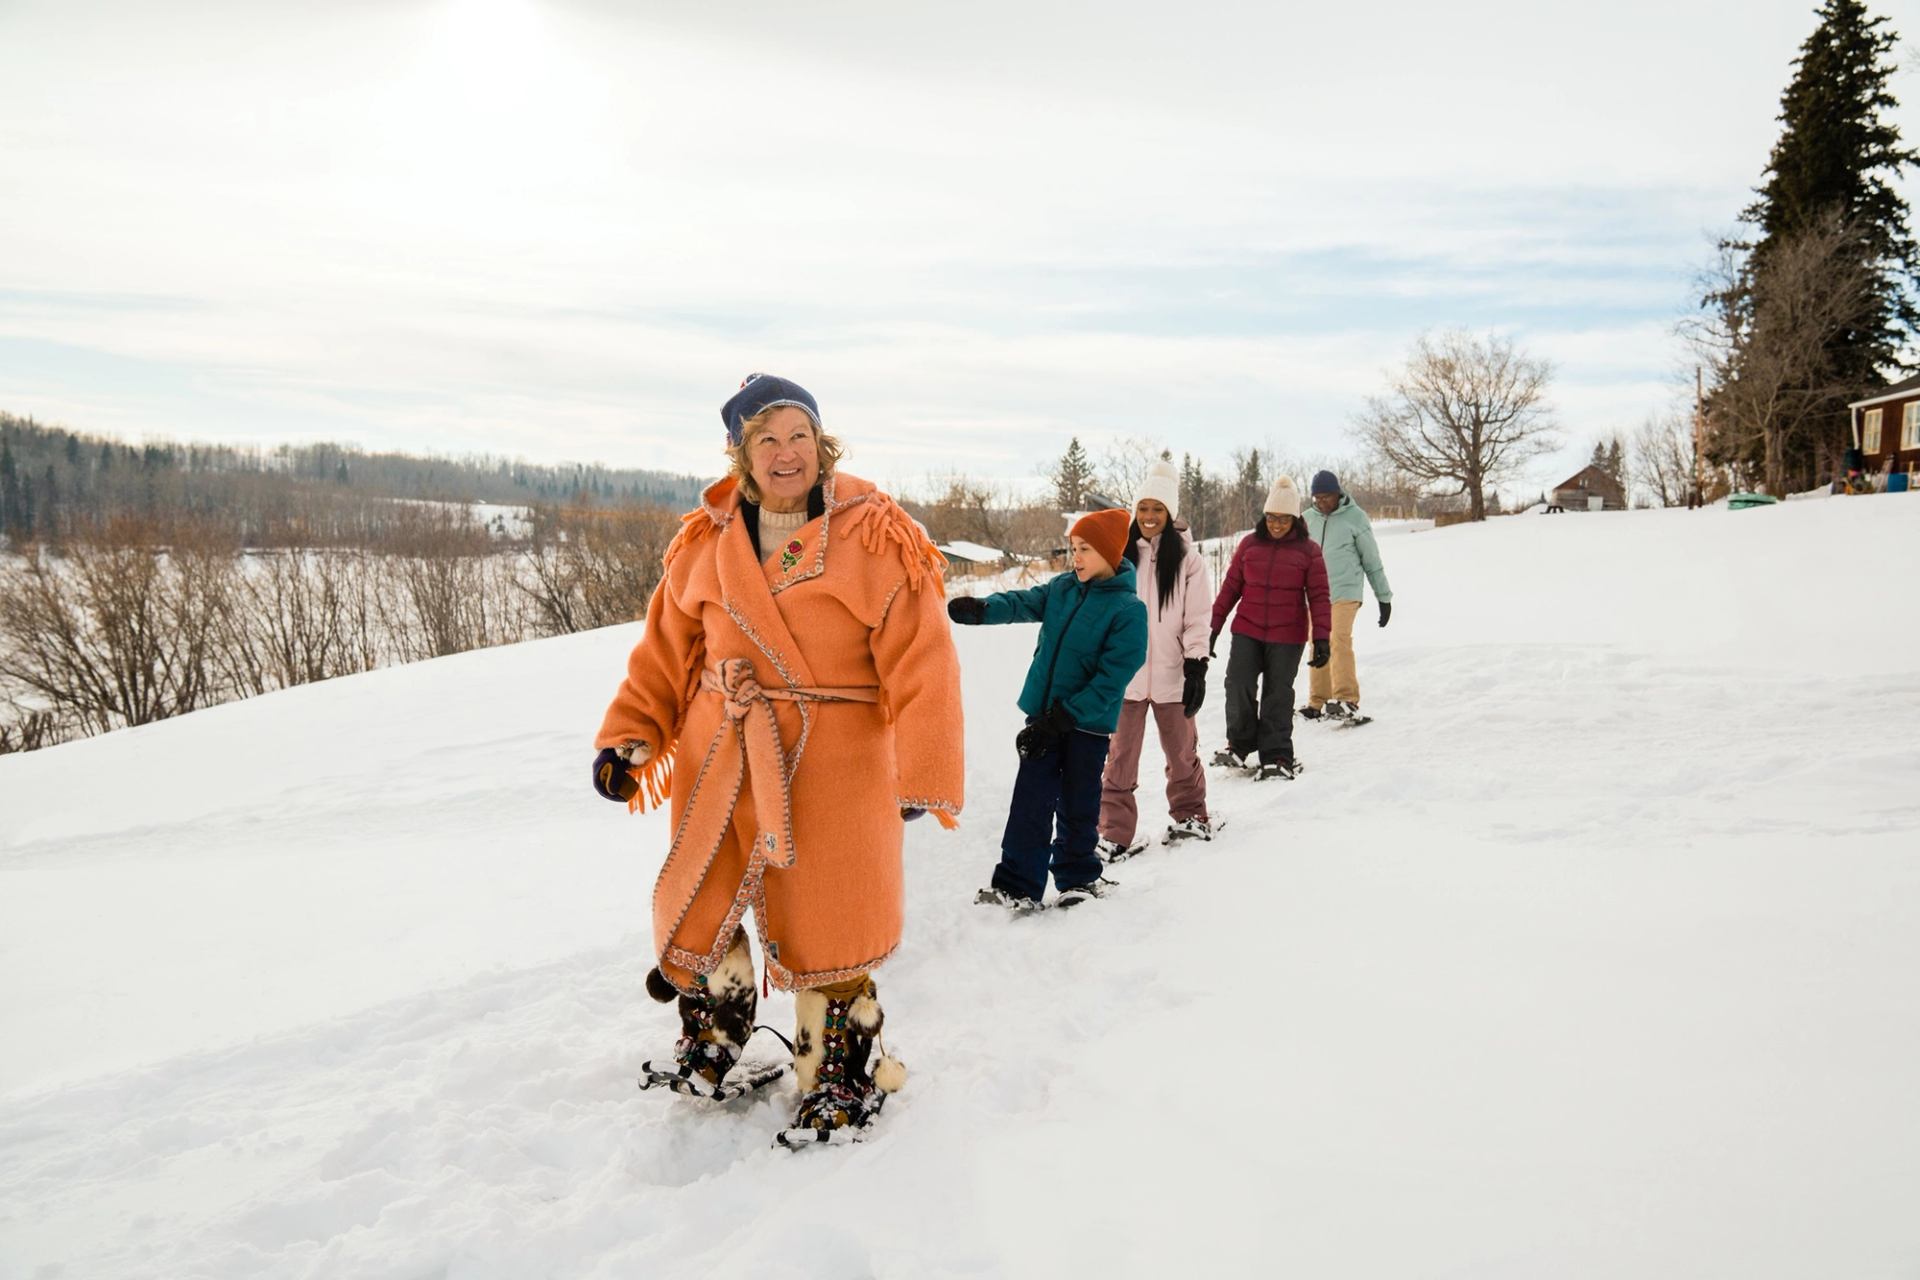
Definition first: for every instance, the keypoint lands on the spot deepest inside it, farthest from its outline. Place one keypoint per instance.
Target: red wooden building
(1886, 429)
(1589, 489)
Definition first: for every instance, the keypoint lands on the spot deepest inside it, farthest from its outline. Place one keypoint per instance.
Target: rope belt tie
(747, 746)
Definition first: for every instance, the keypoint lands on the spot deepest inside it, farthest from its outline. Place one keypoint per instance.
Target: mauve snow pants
(1186, 780)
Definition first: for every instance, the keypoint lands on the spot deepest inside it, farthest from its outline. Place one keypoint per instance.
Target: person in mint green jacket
(1345, 535)
(1093, 638)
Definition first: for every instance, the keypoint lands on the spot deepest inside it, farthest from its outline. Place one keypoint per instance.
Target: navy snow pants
(1054, 820)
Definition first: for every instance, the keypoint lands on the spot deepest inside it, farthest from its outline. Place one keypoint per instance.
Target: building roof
(971, 551)
(1898, 391)
(1578, 479)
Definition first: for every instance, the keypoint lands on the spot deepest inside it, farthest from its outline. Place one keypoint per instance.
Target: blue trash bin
(1897, 482)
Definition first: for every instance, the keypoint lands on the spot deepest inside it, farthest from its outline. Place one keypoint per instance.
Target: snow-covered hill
(1598, 954)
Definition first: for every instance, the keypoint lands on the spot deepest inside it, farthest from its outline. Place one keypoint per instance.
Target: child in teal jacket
(1093, 638)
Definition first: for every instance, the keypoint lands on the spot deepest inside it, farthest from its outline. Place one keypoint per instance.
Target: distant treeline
(145, 621)
(58, 486)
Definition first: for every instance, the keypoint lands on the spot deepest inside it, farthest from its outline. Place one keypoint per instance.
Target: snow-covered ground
(501, 519)
(1598, 954)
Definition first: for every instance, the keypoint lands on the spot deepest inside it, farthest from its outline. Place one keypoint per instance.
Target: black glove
(612, 777)
(1386, 611)
(1044, 733)
(908, 815)
(1194, 692)
(968, 611)
(1213, 638)
(1322, 650)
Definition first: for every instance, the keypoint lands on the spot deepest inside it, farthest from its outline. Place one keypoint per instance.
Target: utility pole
(1696, 498)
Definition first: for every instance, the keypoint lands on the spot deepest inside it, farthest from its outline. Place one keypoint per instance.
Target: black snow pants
(1260, 698)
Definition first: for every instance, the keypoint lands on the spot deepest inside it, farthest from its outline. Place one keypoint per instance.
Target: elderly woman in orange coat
(797, 695)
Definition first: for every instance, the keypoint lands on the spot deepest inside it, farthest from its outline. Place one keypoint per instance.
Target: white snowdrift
(1597, 955)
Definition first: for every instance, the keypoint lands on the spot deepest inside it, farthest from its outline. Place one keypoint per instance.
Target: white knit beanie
(1163, 486)
(1283, 499)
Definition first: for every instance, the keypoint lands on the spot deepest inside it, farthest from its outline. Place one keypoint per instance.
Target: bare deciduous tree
(1663, 459)
(966, 509)
(1124, 465)
(30, 729)
(1767, 337)
(110, 636)
(1462, 415)
(594, 567)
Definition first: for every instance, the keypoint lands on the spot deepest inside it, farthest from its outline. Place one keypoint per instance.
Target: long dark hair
(1166, 561)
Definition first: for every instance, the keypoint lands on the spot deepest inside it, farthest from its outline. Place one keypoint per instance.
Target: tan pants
(1338, 680)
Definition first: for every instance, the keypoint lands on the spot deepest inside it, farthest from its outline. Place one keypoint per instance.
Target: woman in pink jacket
(1177, 589)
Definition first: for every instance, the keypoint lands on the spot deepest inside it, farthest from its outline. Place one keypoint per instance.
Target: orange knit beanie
(1106, 532)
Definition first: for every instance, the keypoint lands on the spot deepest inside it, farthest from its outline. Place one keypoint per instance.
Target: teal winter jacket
(1093, 638)
(1346, 541)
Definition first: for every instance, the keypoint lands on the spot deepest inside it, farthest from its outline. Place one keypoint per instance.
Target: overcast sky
(565, 229)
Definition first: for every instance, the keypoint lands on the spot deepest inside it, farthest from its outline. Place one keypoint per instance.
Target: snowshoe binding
(1345, 715)
(1099, 888)
(1227, 758)
(1012, 903)
(716, 1021)
(1195, 828)
(1111, 851)
(837, 1033)
(1284, 768)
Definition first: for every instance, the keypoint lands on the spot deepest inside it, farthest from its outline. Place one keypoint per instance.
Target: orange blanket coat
(856, 604)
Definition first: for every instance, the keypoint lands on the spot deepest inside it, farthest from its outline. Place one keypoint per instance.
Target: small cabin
(971, 560)
(1886, 430)
(1591, 489)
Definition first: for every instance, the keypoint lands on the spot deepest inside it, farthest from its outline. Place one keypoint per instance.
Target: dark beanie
(761, 392)
(1324, 482)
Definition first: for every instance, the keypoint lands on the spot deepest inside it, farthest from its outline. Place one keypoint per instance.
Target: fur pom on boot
(837, 1031)
(717, 1020)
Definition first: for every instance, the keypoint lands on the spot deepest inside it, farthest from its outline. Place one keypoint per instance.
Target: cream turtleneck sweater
(777, 529)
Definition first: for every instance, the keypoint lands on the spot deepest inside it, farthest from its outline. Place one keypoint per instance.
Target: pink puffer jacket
(1177, 632)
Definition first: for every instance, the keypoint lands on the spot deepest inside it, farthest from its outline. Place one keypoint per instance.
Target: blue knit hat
(761, 392)
(1324, 482)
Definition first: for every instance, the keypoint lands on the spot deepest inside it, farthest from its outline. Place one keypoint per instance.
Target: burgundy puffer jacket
(1275, 584)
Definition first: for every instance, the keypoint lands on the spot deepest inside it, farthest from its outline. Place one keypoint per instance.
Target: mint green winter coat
(1346, 542)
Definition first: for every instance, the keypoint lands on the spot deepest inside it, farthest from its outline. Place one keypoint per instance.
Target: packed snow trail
(1601, 956)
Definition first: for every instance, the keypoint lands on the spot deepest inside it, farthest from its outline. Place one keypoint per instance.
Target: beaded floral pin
(791, 556)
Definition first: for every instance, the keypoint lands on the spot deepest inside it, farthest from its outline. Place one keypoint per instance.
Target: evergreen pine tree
(1249, 489)
(1193, 499)
(1838, 152)
(10, 496)
(1072, 477)
(49, 505)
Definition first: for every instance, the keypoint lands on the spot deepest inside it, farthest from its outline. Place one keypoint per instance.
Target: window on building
(1910, 426)
(1870, 432)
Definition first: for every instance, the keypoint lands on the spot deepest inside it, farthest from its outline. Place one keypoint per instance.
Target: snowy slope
(1597, 955)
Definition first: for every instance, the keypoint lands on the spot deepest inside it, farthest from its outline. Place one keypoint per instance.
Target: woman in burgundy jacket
(1279, 583)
